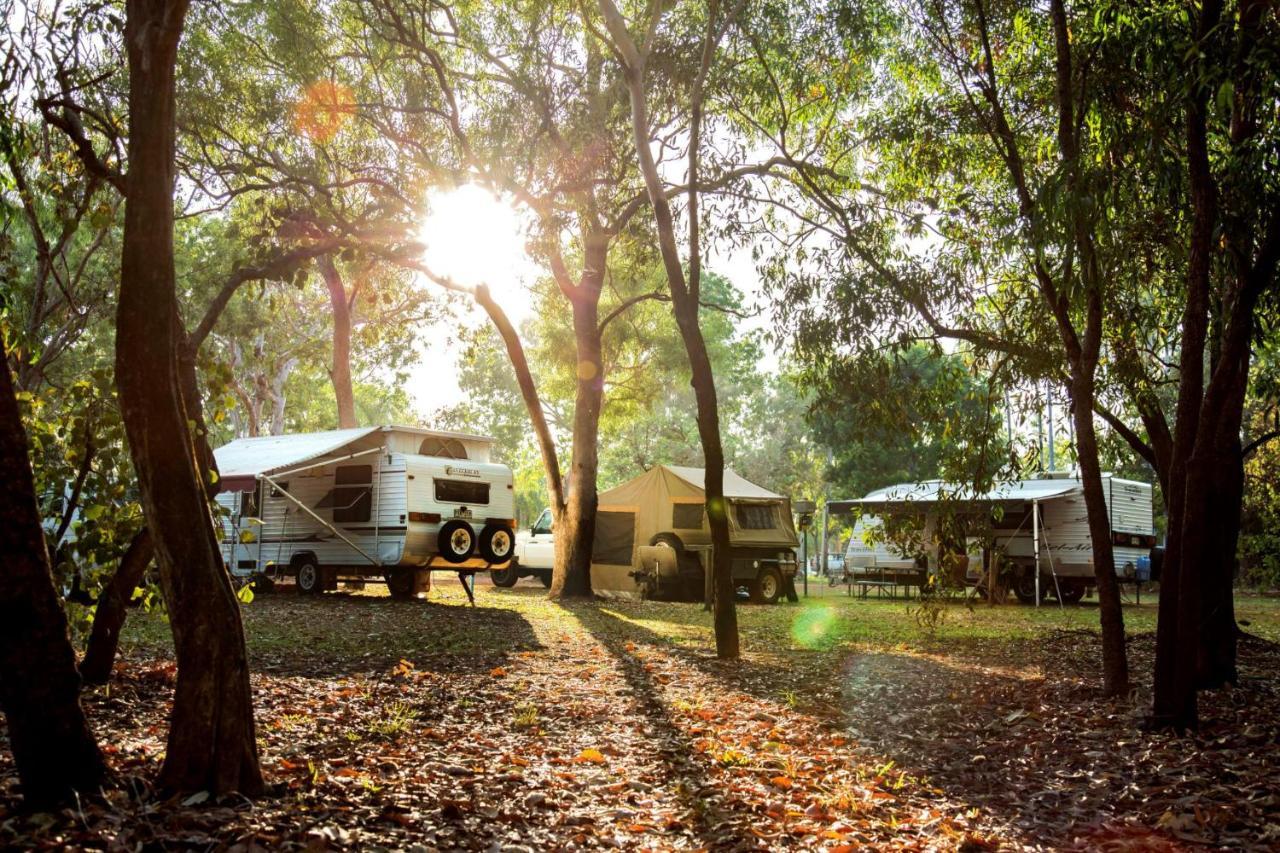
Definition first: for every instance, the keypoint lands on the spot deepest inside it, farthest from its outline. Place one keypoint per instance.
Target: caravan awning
(241, 461)
(936, 491)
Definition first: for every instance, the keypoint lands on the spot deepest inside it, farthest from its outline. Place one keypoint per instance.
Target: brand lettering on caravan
(454, 471)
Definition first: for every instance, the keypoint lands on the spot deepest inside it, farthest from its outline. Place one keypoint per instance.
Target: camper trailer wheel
(767, 587)
(309, 578)
(496, 542)
(1025, 588)
(456, 540)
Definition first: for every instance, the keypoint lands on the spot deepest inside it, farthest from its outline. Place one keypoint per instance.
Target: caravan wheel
(309, 579)
(496, 543)
(1025, 587)
(456, 540)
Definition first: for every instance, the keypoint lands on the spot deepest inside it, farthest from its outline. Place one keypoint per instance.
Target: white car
(535, 555)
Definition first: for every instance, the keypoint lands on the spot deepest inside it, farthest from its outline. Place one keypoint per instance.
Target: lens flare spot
(815, 627)
(325, 106)
(587, 371)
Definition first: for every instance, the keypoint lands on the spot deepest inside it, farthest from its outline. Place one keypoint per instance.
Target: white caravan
(386, 503)
(1040, 522)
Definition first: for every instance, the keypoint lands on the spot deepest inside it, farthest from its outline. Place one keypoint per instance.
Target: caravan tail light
(425, 517)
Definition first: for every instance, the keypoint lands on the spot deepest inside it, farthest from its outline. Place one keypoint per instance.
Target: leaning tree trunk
(53, 749)
(1115, 664)
(211, 744)
(340, 371)
(109, 615)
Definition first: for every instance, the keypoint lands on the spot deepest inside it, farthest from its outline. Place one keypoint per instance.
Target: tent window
(445, 448)
(755, 516)
(615, 537)
(686, 516)
(462, 492)
(352, 493)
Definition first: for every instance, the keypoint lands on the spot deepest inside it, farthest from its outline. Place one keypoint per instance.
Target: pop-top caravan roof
(240, 462)
(631, 514)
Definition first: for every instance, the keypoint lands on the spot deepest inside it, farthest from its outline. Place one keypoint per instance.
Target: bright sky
(474, 237)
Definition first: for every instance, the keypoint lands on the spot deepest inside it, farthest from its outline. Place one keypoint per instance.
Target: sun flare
(475, 238)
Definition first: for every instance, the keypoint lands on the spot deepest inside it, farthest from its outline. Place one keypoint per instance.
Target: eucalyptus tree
(529, 106)
(974, 195)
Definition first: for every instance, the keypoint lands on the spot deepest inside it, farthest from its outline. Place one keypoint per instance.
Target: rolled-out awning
(242, 461)
(931, 492)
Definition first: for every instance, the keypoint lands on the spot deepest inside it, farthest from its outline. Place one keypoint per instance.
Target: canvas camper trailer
(1033, 523)
(651, 531)
(374, 503)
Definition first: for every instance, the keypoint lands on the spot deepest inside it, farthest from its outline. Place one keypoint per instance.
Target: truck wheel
(1025, 587)
(400, 583)
(767, 587)
(496, 543)
(545, 577)
(456, 540)
(505, 578)
(309, 578)
(1070, 592)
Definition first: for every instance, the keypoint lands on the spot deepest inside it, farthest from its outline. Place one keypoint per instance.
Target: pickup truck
(534, 555)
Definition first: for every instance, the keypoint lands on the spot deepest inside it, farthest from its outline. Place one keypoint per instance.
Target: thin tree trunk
(340, 371)
(1115, 664)
(211, 744)
(108, 618)
(53, 749)
(684, 303)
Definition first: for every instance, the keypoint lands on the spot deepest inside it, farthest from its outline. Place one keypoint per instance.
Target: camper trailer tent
(666, 506)
(386, 502)
(1040, 522)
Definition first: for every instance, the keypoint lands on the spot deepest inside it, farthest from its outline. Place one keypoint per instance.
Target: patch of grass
(397, 719)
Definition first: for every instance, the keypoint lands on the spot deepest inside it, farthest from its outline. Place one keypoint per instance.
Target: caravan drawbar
(389, 503)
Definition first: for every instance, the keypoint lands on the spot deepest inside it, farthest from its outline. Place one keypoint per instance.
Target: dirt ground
(525, 725)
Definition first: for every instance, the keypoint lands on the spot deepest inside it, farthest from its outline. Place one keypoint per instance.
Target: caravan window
(462, 492)
(352, 493)
(686, 516)
(755, 516)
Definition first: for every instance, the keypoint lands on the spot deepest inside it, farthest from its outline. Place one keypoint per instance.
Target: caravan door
(246, 528)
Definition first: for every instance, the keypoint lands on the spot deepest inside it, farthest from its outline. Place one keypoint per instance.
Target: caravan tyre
(1025, 587)
(456, 540)
(496, 543)
(401, 583)
(505, 578)
(309, 578)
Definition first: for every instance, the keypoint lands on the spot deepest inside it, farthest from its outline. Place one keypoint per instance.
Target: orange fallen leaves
(783, 782)
(498, 672)
(593, 756)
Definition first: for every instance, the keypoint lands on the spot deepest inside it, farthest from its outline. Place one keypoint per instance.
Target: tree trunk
(340, 371)
(113, 604)
(576, 526)
(211, 738)
(1115, 665)
(53, 749)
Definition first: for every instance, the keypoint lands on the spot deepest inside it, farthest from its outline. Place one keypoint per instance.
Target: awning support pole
(1035, 537)
(307, 510)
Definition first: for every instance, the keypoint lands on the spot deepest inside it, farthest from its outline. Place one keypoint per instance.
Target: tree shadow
(686, 777)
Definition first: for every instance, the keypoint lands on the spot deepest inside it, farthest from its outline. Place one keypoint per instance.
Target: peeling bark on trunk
(53, 749)
(340, 370)
(108, 618)
(211, 742)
